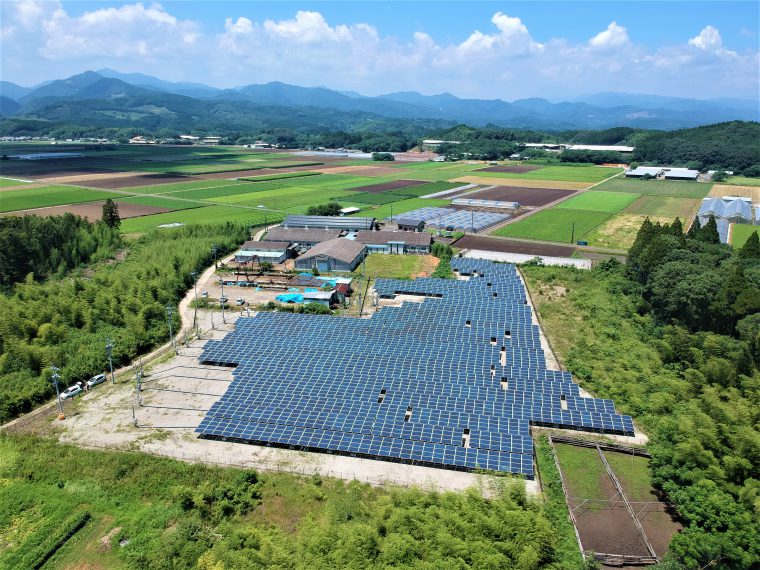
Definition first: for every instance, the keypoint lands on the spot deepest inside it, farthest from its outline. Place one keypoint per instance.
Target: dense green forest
(65, 321)
(673, 337)
(51, 246)
(169, 514)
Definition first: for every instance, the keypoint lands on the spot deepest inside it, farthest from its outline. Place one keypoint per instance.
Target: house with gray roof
(301, 238)
(338, 254)
(395, 242)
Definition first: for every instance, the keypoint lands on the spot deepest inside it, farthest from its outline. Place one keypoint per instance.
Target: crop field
(564, 173)
(367, 198)
(394, 266)
(740, 233)
(752, 192)
(396, 208)
(656, 187)
(220, 214)
(291, 199)
(554, 224)
(610, 202)
(619, 232)
(29, 198)
(425, 189)
(203, 167)
(742, 181)
(9, 182)
(664, 206)
(168, 202)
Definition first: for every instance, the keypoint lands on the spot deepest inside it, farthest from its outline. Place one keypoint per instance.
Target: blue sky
(505, 50)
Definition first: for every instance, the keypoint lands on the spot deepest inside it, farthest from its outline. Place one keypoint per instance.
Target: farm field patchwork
(560, 225)
(525, 196)
(93, 211)
(656, 187)
(29, 198)
(740, 233)
(610, 202)
(168, 202)
(522, 182)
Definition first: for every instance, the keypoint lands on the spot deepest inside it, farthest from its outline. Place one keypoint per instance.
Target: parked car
(204, 294)
(95, 380)
(71, 391)
(240, 301)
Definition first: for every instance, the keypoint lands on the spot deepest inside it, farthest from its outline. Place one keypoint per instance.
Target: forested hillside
(51, 245)
(674, 338)
(65, 322)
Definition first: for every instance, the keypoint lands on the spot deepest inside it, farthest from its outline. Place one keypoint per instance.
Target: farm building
(641, 171)
(410, 223)
(735, 211)
(302, 238)
(272, 251)
(600, 147)
(337, 254)
(349, 224)
(478, 203)
(325, 298)
(350, 210)
(395, 242)
(681, 174)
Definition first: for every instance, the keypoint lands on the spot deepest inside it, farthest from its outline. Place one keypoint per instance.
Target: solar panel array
(449, 217)
(454, 381)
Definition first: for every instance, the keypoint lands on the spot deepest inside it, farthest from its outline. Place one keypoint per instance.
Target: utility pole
(222, 300)
(55, 378)
(214, 251)
(572, 234)
(472, 221)
(109, 349)
(169, 311)
(194, 275)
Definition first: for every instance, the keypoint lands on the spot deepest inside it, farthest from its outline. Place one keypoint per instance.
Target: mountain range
(110, 98)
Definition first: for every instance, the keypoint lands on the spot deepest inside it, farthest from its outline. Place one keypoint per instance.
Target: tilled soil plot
(513, 246)
(523, 195)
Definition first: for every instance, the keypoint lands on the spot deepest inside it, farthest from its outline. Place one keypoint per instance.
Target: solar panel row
(454, 381)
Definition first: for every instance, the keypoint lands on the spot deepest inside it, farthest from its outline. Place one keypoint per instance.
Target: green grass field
(740, 233)
(566, 173)
(560, 225)
(292, 199)
(370, 199)
(203, 215)
(583, 469)
(396, 208)
(394, 266)
(656, 187)
(425, 189)
(8, 182)
(162, 202)
(13, 200)
(742, 181)
(633, 473)
(610, 202)
(664, 206)
(208, 166)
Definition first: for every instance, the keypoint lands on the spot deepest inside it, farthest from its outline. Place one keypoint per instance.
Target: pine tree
(709, 232)
(111, 214)
(676, 228)
(694, 229)
(751, 248)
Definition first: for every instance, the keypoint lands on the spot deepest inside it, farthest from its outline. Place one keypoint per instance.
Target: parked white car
(95, 380)
(70, 392)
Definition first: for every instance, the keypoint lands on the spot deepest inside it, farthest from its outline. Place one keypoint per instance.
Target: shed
(272, 251)
(410, 223)
(326, 298)
(641, 171)
(334, 255)
(681, 174)
(395, 242)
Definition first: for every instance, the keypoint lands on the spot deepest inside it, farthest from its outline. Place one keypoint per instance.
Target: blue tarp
(289, 298)
(310, 290)
(294, 289)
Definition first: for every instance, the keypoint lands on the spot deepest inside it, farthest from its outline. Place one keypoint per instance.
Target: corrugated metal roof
(332, 222)
(341, 249)
(681, 173)
(252, 245)
(383, 237)
(298, 235)
(643, 170)
(725, 208)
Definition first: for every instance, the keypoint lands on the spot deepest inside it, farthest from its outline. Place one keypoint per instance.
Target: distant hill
(8, 106)
(143, 96)
(13, 91)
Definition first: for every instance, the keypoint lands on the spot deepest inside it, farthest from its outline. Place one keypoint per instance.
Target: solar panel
(454, 382)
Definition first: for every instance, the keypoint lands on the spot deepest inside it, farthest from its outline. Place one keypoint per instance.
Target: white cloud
(613, 37)
(40, 40)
